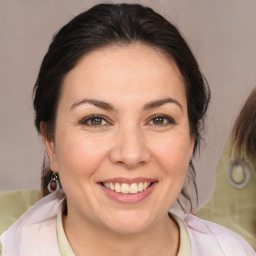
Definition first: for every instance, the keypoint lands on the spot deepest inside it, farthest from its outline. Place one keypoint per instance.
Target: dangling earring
(54, 183)
(190, 162)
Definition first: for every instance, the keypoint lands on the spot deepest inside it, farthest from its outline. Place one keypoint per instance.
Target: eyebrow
(97, 103)
(159, 103)
(108, 106)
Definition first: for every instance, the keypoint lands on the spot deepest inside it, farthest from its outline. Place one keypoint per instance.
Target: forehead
(125, 73)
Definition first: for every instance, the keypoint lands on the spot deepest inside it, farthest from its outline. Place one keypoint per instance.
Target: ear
(49, 146)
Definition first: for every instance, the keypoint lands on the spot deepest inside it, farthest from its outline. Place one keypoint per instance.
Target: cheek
(173, 153)
(78, 156)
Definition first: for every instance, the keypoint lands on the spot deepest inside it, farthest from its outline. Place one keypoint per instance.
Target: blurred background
(222, 36)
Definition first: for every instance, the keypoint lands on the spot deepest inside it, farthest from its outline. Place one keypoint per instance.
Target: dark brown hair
(244, 130)
(105, 25)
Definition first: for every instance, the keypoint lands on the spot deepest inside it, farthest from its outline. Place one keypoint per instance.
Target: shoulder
(37, 227)
(13, 204)
(206, 236)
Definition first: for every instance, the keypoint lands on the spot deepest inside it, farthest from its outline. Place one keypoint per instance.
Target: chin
(128, 223)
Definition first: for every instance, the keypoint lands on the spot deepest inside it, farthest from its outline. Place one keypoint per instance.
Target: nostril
(130, 151)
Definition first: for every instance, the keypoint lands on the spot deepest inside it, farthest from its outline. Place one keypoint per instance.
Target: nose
(129, 149)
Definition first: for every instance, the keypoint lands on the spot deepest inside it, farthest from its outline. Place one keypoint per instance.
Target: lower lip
(129, 198)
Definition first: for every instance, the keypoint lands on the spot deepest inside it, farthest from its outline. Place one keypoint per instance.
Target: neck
(160, 239)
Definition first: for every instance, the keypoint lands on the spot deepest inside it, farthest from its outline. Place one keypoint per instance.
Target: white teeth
(125, 188)
(117, 187)
(111, 186)
(106, 185)
(140, 188)
(133, 188)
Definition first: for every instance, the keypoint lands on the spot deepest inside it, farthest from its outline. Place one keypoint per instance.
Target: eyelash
(85, 121)
(166, 119)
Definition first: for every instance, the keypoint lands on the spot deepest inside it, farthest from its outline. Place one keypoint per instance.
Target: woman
(119, 101)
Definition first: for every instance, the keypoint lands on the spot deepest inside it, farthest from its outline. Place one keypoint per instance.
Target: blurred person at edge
(233, 203)
(120, 103)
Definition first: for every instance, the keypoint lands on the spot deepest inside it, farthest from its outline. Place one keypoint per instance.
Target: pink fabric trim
(35, 234)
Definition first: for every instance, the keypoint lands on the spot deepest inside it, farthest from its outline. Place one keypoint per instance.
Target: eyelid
(169, 118)
(87, 118)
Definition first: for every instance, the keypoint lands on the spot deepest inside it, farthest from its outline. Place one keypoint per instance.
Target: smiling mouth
(124, 188)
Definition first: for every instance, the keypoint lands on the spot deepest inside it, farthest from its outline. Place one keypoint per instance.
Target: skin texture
(127, 142)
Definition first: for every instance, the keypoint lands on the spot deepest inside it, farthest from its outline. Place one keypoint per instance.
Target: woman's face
(122, 142)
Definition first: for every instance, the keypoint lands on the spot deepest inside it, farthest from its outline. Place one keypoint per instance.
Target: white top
(66, 250)
(35, 233)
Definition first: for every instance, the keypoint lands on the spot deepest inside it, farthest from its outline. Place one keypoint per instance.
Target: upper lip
(128, 180)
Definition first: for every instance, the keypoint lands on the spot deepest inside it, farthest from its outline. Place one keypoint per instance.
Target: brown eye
(161, 120)
(94, 121)
(158, 120)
